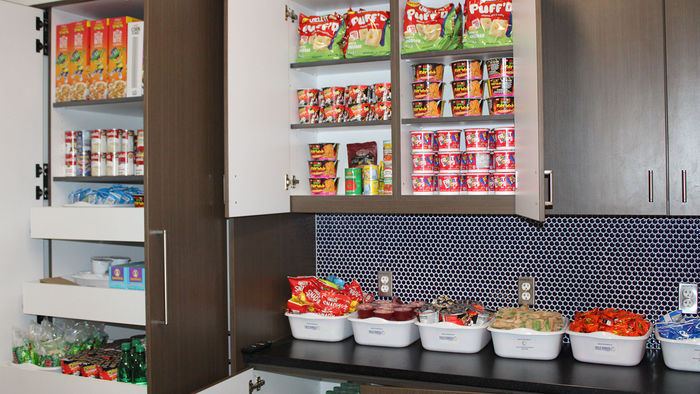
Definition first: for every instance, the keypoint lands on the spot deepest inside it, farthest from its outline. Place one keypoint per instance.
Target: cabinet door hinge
(42, 170)
(290, 182)
(290, 14)
(43, 24)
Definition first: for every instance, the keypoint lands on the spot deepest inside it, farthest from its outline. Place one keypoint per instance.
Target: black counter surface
(412, 364)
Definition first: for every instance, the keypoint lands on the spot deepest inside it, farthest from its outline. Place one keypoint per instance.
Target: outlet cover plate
(526, 290)
(385, 286)
(688, 298)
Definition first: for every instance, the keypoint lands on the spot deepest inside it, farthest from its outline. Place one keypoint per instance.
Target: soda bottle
(124, 368)
(139, 371)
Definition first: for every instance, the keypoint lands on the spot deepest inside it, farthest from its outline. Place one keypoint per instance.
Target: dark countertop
(481, 370)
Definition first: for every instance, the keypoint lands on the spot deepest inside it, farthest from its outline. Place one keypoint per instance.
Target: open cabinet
(181, 232)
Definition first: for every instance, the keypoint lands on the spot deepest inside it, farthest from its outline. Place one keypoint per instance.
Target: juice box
(117, 64)
(63, 53)
(99, 53)
(79, 59)
(134, 70)
(136, 277)
(118, 276)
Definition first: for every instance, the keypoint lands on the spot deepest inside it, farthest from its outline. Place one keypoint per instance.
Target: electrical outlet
(385, 285)
(688, 298)
(526, 291)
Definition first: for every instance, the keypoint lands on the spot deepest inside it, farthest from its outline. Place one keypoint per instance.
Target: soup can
(353, 181)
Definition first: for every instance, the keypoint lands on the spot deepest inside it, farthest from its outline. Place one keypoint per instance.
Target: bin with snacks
(459, 327)
(527, 334)
(679, 336)
(385, 323)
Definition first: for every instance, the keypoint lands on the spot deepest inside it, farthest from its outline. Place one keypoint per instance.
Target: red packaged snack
(382, 91)
(107, 374)
(615, 321)
(367, 33)
(309, 114)
(334, 302)
(297, 307)
(353, 290)
(70, 367)
(308, 97)
(88, 369)
(301, 284)
(362, 154)
(358, 112)
(334, 95)
(382, 111)
(357, 94)
(367, 298)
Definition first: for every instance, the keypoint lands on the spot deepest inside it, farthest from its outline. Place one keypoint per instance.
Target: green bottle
(124, 368)
(139, 371)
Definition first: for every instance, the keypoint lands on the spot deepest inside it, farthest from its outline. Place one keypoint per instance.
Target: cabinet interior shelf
(322, 63)
(406, 204)
(460, 119)
(341, 124)
(130, 179)
(457, 54)
(130, 106)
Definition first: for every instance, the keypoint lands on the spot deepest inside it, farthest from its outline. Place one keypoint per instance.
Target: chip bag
(428, 29)
(488, 23)
(320, 37)
(368, 34)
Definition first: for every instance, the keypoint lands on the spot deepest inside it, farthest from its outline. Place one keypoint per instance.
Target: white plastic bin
(316, 327)
(376, 331)
(450, 337)
(683, 355)
(607, 348)
(528, 344)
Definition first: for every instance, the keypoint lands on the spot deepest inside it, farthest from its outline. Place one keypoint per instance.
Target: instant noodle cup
(323, 169)
(323, 151)
(381, 110)
(477, 182)
(462, 182)
(427, 90)
(504, 138)
(499, 67)
(467, 69)
(333, 95)
(324, 187)
(308, 97)
(479, 160)
(449, 162)
(501, 105)
(381, 91)
(466, 107)
(504, 182)
(448, 140)
(358, 112)
(424, 184)
(468, 89)
(357, 94)
(501, 87)
(427, 108)
(448, 184)
(492, 139)
(428, 72)
(309, 114)
(504, 159)
(333, 114)
(463, 161)
(424, 162)
(422, 141)
(477, 139)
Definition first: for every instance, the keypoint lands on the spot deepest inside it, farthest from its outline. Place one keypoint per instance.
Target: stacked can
(425, 164)
(125, 155)
(503, 160)
(77, 150)
(388, 170)
(98, 154)
(139, 155)
(112, 152)
(370, 180)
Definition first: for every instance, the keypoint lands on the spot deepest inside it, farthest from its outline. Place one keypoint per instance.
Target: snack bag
(456, 42)
(368, 33)
(428, 29)
(320, 37)
(488, 23)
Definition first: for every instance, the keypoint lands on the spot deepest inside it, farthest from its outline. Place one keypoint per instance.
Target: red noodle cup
(478, 182)
(499, 67)
(422, 141)
(501, 105)
(381, 110)
(492, 139)
(427, 90)
(504, 182)
(307, 97)
(382, 91)
(468, 89)
(448, 184)
(424, 184)
(504, 159)
(476, 139)
(333, 95)
(479, 160)
(492, 186)
(504, 138)
(467, 69)
(463, 182)
(324, 187)
(357, 94)
(323, 151)
(448, 140)
(428, 72)
(427, 108)
(466, 107)
(501, 87)
(309, 114)
(323, 168)
(365, 311)
(449, 162)
(358, 112)
(334, 114)
(464, 160)
(424, 162)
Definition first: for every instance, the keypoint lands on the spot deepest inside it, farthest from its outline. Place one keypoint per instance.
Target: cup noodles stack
(337, 104)
(323, 168)
(104, 152)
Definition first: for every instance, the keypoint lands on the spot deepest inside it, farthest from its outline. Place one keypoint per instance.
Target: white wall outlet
(526, 291)
(688, 298)
(385, 284)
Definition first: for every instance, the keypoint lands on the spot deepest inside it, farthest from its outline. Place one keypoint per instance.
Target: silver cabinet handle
(165, 274)
(550, 174)
(684, 187)
(650, 174)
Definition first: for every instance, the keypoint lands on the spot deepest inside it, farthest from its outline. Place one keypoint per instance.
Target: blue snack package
(335, 280)
(676, 326)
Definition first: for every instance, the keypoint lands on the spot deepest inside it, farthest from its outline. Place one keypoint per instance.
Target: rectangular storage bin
(528, 344)
(453, 338)
(606, 348)
(316, 327)
(375, 331)
(683, 355)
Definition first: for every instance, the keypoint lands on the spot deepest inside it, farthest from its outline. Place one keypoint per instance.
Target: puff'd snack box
(368, 34)
(615, 321)
(488, 23)
(320, 37)
(431, 29)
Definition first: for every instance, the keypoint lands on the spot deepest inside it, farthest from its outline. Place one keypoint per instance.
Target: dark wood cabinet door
(604, 105)
(184, 195)
(683, 76)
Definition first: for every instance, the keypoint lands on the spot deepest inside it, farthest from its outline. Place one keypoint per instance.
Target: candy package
(615, 321)
(332, 297)
(675, 325)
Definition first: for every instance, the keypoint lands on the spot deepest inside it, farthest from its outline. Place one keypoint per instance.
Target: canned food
(309, 114)
(449, 162)
(428, 317)
(466, 107)
(448, 140)
(424, 184)
(71, 142)
(427, 108)
(370, 172)
(139, 163)
(504, 159)
(504, 182)
(98, 141)
(477, 182)
(140, 140)
(333, 95)
(501, 87)
(428, 72)
(112, 164)
(504, 138)
(308, 97)
(126, 140)
(71, 167)
(467, 69)
(501, 105)
(387, 151)
(424, 162)
(388, 173)
(353, 181)
(388, 186)
(98, 164)
(126, 163)
(499, 67)
(334, 114)
(427, 90)
(448, 184)
(82, 142)
(476, 139)
(323, 169)
(468, 89)
(83, 164)
(479, 160)
(370, 188)
(382, 91)
(422, 141)
(358, 112)
(113, 143)
(357, 94)
(381, 110)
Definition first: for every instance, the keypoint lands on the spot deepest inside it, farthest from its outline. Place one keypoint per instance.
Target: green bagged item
(456, 42)
(488, 23)
(429, 29)
(368, 34)
(320, 37)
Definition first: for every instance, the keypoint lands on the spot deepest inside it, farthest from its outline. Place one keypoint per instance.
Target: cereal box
(99, 53)
(79, 59)
(117, 64)
(63, 53)
(134, 70)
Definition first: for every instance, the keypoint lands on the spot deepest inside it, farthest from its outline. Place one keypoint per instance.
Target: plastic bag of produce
(21, 347)
(428, 29)
(488, 23)
(320, 37)
(368, 33)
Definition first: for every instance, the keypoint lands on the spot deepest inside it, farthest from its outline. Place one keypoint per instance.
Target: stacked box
(63, 54)
(118, 56)
(79, 60)
(99, 54)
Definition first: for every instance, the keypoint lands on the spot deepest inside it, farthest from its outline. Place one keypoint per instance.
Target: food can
(501, 87)
(113, 143)
(388, 173)
(428, 72)
(370, 172)
(353, 181)
(98, 141)
(504, 138)
(71, 168)
(467, 89)
(126, 140)
(71, 142)
(504, 159)
(307, 97)
(422, 141)
(381, 91)
(477, 139)
(139, 163)
(83, 164)
(477, 182)
(466, 107)
(111, 164)
(424, 184)
(357, 94)
(428, 317)
(424, 162)
(501, 105)
(449, 162)
(387, 150)
(448, 184)
(140, 140)
(467, 69)
(499, 67)
(427, 90)
(333, 95)
(126, 163)
(479, 160)
(504, 182)
(370, 188)
(82, 142)
(388, 185)
(492, 139)
(98, 164)
(448, 140)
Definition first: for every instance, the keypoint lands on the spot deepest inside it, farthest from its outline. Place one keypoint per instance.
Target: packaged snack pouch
(428, 29)
(456, 42)
(320, 37)
(488, 23)
(368, 33)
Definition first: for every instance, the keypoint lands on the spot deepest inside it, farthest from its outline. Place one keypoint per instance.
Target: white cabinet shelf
(88, 224)
(85, 303)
